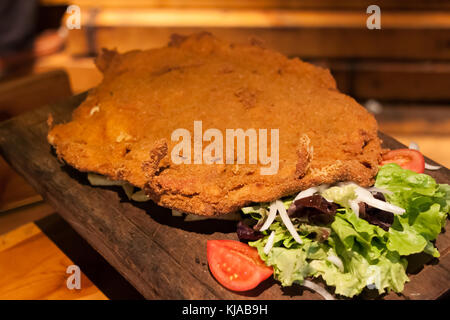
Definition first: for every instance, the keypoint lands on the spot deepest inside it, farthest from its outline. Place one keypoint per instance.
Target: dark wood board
(162, 256)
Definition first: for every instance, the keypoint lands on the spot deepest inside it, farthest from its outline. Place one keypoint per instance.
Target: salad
(348, 236)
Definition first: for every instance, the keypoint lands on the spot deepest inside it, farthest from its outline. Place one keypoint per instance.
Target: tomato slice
(236, 265)
(406, 158)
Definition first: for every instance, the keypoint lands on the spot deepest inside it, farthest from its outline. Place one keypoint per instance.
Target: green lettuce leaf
(426, 204)
(357, 254)
(358, 235)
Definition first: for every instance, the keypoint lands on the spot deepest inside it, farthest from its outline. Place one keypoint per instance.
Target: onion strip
(316, 288)
(306, 193)
(375, 189)
(431, 167)
(355, 207)
(287, 221)
(336, 261)
(415, 146)
(269, 243)
(270, 217)
(365, 196)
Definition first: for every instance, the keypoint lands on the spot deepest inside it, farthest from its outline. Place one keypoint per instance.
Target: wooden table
(36, 268)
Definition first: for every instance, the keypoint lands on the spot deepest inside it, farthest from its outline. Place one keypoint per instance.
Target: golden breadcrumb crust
(123, 128)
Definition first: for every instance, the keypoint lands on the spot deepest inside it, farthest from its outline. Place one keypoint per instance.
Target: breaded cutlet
(123, 128)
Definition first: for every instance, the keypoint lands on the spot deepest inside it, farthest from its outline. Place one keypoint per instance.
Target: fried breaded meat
(124, 128)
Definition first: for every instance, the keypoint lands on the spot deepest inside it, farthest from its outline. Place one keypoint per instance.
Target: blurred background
(400, 73)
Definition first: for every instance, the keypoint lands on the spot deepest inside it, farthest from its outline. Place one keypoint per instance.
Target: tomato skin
(236, 265)
(406, 158)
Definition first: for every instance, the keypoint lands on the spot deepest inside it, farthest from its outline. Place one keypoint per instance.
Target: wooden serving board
(162, 256)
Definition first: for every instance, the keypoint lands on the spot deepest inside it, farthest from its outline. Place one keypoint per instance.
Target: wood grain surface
(162, 256)
(43, 274)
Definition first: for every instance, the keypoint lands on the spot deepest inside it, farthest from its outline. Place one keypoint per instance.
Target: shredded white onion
(94, 110)
(269, 243)
(316, 288)
(355, 207)
(431, 167)
(287, 221)
(270, 217)
(336, 261)
(375, 189)
(414, 146)
(306, 193)
(364, 195)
